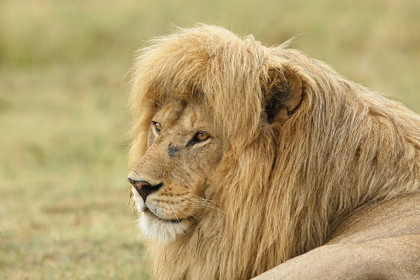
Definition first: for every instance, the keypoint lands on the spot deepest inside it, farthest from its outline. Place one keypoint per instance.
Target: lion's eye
(158, 127)
(201, 136)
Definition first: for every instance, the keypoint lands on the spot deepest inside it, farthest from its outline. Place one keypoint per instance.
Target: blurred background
(64, 119)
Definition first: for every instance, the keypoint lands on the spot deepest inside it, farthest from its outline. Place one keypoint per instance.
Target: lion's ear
(283, 90)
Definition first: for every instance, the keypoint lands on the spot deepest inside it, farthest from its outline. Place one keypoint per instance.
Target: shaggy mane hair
(281, 188)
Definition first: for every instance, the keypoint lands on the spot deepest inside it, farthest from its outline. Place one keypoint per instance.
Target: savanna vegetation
(64, 122)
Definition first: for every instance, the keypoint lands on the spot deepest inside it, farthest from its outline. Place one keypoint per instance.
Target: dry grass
(63, 120)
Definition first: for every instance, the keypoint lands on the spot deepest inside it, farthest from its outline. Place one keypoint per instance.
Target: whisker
(173, 211)
(183, 213)
(203, 202)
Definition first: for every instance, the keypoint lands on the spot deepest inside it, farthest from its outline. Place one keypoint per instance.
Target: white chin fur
(154, 228)
(160, 230)
(138, 201)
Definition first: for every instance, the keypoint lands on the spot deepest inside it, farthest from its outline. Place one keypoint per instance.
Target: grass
(65, 213)
(64, 122)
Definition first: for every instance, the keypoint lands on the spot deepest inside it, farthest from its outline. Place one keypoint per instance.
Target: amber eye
(202, 136)
(157, 126)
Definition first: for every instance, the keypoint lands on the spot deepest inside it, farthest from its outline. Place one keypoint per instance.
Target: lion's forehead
(184, 115)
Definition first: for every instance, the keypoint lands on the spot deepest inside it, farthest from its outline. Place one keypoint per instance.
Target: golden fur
(280, 187)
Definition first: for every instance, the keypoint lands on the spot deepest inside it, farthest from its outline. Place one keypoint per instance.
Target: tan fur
(279, 187)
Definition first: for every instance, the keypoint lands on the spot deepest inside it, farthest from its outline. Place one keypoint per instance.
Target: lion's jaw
(181, 165)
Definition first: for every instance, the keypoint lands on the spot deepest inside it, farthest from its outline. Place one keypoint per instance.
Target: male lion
(246, 157)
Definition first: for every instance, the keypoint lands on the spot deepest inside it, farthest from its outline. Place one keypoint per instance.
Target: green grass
(64, 197)
(64, 121)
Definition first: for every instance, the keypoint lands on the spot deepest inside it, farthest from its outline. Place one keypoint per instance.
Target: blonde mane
(282, 188)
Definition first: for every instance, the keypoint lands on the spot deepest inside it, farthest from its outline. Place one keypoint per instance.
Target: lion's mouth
(151, 214)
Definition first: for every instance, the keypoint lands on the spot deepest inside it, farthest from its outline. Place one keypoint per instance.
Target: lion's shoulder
(378, 241)
(380, 220)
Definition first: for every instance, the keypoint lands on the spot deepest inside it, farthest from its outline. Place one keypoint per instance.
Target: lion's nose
(144, 188)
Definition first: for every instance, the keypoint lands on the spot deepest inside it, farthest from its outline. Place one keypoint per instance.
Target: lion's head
(244, 156)
(171, 179)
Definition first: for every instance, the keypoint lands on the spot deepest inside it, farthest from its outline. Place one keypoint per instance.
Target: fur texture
(280, 186)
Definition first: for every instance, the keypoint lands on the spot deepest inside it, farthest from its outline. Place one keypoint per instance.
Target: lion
(253, 161)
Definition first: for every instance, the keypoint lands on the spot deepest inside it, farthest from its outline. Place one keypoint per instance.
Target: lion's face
(171, 179)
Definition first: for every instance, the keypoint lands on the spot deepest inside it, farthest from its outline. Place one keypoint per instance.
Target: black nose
(144, 188)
